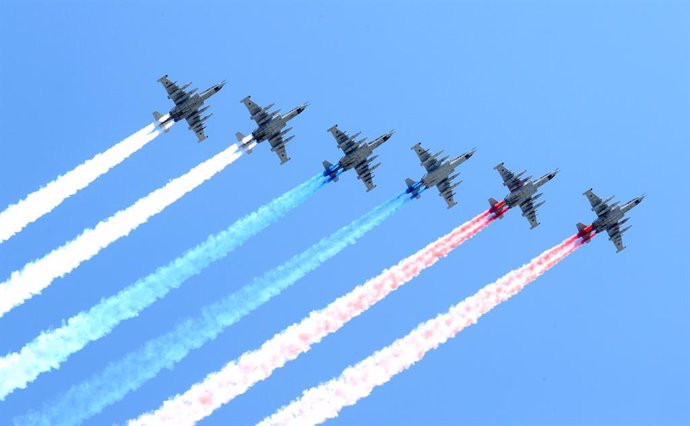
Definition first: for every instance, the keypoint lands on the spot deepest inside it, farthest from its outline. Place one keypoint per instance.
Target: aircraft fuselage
(614, 215)
(276, 124)
(191, 105)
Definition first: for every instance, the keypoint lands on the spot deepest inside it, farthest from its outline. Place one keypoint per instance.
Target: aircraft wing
(258, 114)
(509, 178)
(530, 213)
(598, 206)
(345, 142)
(616, 237)
(365, 175)
(445, 190)
(175, 93)
(427, 160)
(197, 126)
(278, 146)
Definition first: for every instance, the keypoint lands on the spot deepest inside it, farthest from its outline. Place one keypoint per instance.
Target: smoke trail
(87, 399)
(325, 401)
(238, 376)
(53, 347)
(44, 200)
(37, 275)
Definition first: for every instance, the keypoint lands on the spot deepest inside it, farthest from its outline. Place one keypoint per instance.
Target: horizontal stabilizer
(158, 117)
(245, 141)
(413, 188)
(584, 232)
(330, 172)
(497, 207)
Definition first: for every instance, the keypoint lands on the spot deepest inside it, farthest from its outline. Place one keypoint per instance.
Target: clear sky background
(600, 89)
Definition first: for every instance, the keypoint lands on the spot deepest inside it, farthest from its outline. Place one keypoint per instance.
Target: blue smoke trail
(53, 347)
(87, 399)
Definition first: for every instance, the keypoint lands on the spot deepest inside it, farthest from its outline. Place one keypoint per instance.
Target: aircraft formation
(359, 155)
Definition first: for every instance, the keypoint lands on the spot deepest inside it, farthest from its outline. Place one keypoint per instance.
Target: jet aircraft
(187, 106)
(357, 156)
(439, 173)
(270, 128)
(609, 219)
(523, 193)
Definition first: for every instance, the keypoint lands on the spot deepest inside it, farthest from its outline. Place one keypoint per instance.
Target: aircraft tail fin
(412, 188)
(245, 142)
(157, 116)
(584, 232)
(497, 207)
(331, 172)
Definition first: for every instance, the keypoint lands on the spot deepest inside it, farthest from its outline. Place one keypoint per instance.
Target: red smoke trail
(238, 376)
(325, 401)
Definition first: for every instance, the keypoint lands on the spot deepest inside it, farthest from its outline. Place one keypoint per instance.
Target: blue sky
(599, 89)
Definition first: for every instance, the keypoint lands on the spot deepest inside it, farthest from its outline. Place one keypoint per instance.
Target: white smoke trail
(37, 275)
(84, 400)
(238, 376)
(17, 216)
(325, 401)
(53, 347)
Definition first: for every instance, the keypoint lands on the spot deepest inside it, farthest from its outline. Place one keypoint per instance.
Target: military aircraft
(187, 106)
(357, 156)
(270, 128)
(609, 219)
(438, 173)
(523, 193)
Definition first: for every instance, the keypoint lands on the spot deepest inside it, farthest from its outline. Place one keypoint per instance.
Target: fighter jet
(187, 106)
(438, 173)
(609, 219)
(270, 128)
(357, 156)
(523, 193)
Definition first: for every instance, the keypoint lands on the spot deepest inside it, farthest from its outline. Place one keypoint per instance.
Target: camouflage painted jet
(270, 128)
(438, 173)
(187, 106)
(609, 219)
(523, 193)
(357, 156)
